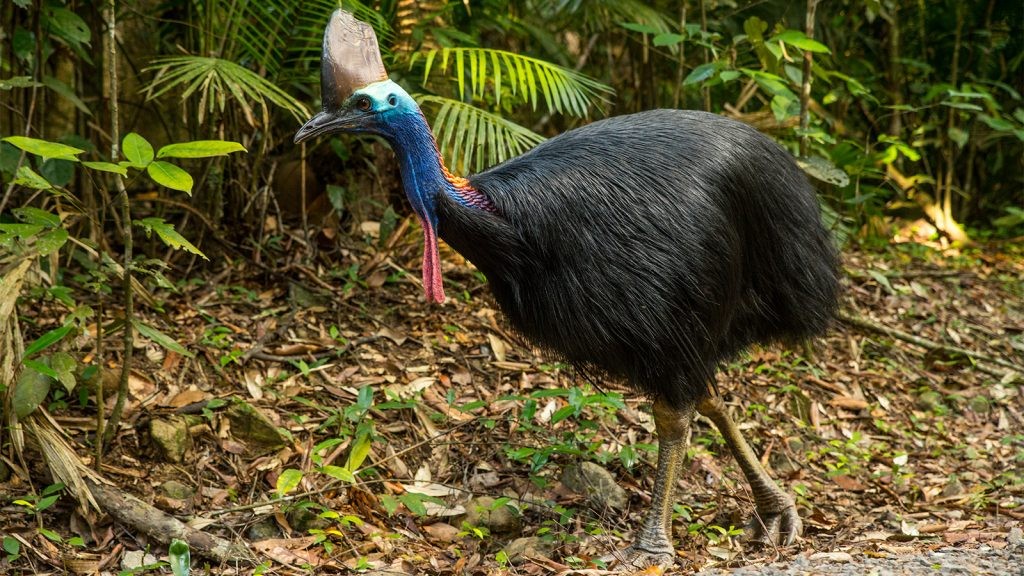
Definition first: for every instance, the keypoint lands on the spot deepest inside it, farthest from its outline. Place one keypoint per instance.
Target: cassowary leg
(776, 520)
(653, 544)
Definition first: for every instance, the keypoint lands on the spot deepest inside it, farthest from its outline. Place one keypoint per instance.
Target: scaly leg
(653, 544)
(777, 521)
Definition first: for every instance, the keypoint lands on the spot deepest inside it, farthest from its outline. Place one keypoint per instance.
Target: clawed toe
(634, 559)
(775, 528)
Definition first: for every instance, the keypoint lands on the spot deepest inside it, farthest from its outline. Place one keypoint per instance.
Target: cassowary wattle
(652, 247)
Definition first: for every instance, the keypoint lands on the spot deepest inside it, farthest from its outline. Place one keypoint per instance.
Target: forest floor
(393, 418)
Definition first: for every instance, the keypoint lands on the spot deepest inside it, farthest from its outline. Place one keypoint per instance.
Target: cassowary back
(652, 246)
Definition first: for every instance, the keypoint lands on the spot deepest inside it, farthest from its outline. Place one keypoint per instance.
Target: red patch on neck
(432, 284)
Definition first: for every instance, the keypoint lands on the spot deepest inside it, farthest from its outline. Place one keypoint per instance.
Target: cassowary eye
(363, 104)
(392, 100)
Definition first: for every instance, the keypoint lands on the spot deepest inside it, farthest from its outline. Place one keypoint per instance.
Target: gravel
(950, 561)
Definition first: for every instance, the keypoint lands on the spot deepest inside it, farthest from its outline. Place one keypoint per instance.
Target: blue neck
(423, 175)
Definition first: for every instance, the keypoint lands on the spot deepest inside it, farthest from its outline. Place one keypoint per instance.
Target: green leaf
(45, 148)
(169, 175)
(11, 545)
(28, 178)
(180, 557)
(50, 535)
(64, 365)
(41, 367)
(343, 474)
(963, 106)
(358, 453)
(288, 481)
(33, 215)
(29, 392)
(958, 135)
(801, 41)
(107, 167)
(668, 39)
(200, 149)
(414, 502)
(47, 340)
(824, 170)
(168, 235)
(18, 82)
(137, 149)
(52, 241)
(700, 73)
(389, 503)
(160, 338)
(68, 25)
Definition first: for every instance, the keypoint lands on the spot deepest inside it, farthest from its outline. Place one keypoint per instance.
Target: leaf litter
(399, 415)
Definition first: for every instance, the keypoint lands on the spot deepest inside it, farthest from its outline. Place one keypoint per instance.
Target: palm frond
(565, 91)
(215, 80)
(471, 139)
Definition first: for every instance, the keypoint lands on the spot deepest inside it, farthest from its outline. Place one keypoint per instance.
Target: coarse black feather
(652, 246)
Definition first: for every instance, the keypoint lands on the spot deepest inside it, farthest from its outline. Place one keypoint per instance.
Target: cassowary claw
(634, 559)
(780, 528)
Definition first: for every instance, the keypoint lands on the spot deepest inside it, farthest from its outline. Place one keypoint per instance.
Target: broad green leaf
(700, 73)
(33, 215)
(958, 135)
(414, 502)
(358, 453)
(668, 39)
(107, 167)
(160, 338)
(29, 392)
(29, 178)
(137, 149)
(168, 235)
(52, 241)
(45, 148)
(200, 149)
(288, 481)
(68, 25)
(47, 340)
(389, 503)
(9, 232)
(51, 535)
(64, 365)
(801, 41)
(824, 170)
(12, 546)
(343, 474)
(169, 175)
(41, 367)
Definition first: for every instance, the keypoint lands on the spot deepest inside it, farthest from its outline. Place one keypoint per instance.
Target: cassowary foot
(779, 528)
(633, 559)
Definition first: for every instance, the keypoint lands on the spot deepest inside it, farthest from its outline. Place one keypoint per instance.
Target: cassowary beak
(351, 60)
(328, 122)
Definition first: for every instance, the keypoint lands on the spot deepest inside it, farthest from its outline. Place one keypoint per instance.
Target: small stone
(839, 557)
(171, 438)
(254, 428)
(263, 530)
(485, 512)
(929, 400)
(302, 520)
(135, 559)
(597, 484)
(520, 549)
(1015, 537)
(441, 532)
(176, 490)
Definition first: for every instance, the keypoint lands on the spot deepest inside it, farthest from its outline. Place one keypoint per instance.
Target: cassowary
(651, 246)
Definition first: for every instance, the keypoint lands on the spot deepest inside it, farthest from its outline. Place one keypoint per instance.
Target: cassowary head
(358, 97)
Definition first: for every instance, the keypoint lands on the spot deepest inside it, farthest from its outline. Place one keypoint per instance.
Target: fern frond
(215, 80)
(471, 139)
(564, 90)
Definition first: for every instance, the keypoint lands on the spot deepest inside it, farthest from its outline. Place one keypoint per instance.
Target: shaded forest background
(146, 154)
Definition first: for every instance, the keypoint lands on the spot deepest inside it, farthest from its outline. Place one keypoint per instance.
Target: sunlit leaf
(169, 175)
(160, 338)
(800, 40)
(107, 167)
(137, 149)
(168, 235)
(200, 149)
(45, 148)
(288, 481)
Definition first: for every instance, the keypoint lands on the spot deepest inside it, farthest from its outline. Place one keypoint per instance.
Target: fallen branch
(927, 344)
(162, 527)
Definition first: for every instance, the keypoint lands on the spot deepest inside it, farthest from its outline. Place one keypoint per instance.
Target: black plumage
(652, 246)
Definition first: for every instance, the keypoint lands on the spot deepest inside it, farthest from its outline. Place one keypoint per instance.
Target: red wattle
(432, 284)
